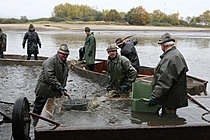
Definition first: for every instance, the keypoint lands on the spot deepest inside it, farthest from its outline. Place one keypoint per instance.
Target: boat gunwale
(78, 128)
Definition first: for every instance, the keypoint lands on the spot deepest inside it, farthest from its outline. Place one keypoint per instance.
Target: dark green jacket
(3, 41)
(169, 83)
(120, 72)
(90, 48)
(33, 41)
(53, 77)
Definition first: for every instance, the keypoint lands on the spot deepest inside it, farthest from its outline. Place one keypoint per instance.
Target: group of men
(168, 86)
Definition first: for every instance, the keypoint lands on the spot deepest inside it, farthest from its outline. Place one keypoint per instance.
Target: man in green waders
(169, 85)
(89, 49)
(121, 73)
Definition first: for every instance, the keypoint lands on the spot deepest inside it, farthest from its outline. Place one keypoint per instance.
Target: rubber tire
(21, 129)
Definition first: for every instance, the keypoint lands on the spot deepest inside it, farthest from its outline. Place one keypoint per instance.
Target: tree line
(135, 16)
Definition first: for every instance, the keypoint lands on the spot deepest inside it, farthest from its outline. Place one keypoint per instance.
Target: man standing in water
(169, 85)
(3, 43)
(89, 49)
(33, 40)
(52, 80)
(121, 73)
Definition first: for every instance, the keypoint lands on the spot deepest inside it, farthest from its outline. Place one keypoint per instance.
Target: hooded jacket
(90, 49)
(33, 40)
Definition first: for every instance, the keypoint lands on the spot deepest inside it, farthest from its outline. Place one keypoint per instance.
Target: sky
(44, 8)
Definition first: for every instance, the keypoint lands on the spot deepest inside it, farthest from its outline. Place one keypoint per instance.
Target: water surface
(18, 81)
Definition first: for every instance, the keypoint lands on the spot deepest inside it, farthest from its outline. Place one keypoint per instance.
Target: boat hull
(143, 133)
(21, 60)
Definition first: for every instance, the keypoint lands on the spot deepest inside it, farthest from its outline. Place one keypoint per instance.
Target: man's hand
(125, 88)
(23, 46)
(64, 92)
(40, 46)
(108, 88)
(152, 102)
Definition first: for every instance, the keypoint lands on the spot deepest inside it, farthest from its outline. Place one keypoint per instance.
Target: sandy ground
(79, 27)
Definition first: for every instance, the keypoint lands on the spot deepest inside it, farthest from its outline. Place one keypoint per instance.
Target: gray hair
(169, 43)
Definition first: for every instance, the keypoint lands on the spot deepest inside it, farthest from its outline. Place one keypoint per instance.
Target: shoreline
(80, 27)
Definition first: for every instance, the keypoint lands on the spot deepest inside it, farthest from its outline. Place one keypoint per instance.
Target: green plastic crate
(142, 90)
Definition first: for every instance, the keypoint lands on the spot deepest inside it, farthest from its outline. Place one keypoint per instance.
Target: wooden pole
(45, 119)
(196, 102)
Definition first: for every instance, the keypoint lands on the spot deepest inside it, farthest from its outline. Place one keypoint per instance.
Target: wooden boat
(153, 130)
(195, 85)
(10, 59)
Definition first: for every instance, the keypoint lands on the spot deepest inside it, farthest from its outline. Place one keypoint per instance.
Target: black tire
(21, 127)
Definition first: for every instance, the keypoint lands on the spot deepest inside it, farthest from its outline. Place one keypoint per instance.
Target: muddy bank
(80, 27)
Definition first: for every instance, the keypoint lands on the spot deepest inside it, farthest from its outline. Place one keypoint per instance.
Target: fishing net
(207, 117)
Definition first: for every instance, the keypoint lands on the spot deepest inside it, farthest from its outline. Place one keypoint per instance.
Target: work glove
(89, 53)
(108, 88)
(23, 46)
(82, 50)
(63, 90)
(125, 88)
(152, 102)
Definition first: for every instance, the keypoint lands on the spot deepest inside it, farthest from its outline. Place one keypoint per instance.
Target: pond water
(17, 81)
(195, 46)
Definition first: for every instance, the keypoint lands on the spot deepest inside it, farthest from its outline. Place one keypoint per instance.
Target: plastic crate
(142, 90)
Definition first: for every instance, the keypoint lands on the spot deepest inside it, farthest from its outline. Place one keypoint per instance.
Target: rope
(205, 118)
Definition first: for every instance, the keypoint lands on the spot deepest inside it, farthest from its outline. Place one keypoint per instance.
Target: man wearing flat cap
(89, 49)
(129, 51)
(52, 80)
(169, 85)
(121, 73)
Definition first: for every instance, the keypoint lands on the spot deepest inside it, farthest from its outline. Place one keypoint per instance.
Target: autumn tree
(158, 16)
(138, 16)
(69, 11)
(173, 19)
(205, 17)
(113, 15)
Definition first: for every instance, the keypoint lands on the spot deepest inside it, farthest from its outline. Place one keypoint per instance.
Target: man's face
(31, 29)
(163, 47)
(87, 33)
(63, 56)
(112, 54)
